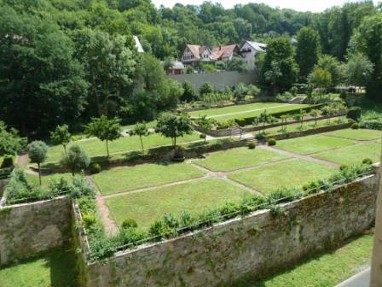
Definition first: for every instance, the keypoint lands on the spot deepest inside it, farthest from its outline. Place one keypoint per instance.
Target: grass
(238, 158)
(312, 144)
(195, 197)
(55, 269)
(94, 147)
(46, 179)
(141, 176)
(325, 270)
(306, 126)
(249, 110)
(290, 173)
(353, 154)
(359, 135)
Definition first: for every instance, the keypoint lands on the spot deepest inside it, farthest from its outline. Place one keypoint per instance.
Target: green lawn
(195, 197)
(249, 110)
(312, 144)
(128, 178)
(94, 147)
(233, 159)
(360, 134)
(290, 173)
(46, 179)
(55, 269)
(353, 154)
(326, 270)
(306, 126)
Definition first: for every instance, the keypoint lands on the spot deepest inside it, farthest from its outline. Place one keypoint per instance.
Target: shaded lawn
(238, 158)
(324, 270)
(353, 154)
(194, 197)
(56, 269)
(249, 110)
(290, 173)
(360, 134)
(312, 144)
(47, 179)
(128, 178)
(306, 126)
(94, 147)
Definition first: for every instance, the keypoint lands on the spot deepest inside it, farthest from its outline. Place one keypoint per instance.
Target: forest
(66, 61)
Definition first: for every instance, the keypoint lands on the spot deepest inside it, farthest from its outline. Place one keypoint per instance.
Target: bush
(94, 168)
(7, 162)
(355, 126)
(261, 136)
(252, 145)
(271, 142)
(129, 223)
(367, 161)
(241, 122)
(354, 113)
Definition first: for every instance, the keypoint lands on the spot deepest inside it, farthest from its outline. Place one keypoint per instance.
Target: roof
(223, 52)
(177, 65)
(138, 45)
(260, 47)
(196, 50)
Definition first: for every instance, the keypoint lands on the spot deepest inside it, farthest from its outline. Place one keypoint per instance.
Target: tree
(358, 70)
(140, 129)
(104, 129)
(320, 78)
(205, 124)
(10, 141)
(37, 151)
(280, 68)
(240, 92)
(75, 159)
(333, 66)
(61, 136)
(206, 88)
(308, 50)
(174, 126)
(189, 93)
(368, 40)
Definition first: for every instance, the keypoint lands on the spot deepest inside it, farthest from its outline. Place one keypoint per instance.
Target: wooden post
(376, 262)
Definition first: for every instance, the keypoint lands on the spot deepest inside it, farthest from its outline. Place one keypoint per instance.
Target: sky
(298, 5)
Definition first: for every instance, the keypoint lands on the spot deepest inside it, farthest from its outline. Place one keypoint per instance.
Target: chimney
(220, 47)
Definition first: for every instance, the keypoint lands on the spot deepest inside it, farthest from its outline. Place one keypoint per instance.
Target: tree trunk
(174, 141)
(376, 262)
(107, 148)
(65, 149)
(140, 137)
(39, 173)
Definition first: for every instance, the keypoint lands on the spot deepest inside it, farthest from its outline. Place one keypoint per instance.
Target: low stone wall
(256, 245)
(220, 80)
(29, 229)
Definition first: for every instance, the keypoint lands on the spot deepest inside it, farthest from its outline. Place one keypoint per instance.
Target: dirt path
(22, 160)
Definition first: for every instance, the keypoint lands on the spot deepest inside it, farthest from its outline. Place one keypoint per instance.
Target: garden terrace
(146, 192)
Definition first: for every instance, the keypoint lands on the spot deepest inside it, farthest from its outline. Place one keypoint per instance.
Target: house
(177, 68)
(250, 49)
(138, 45)
(195, 53)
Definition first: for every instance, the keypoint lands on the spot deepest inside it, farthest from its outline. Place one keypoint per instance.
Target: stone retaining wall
(29, 229)
(256, 245)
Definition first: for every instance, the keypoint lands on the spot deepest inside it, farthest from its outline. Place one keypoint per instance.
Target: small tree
(174, 126)
(206, 88)
(61, 136)
(104, 129)
(320, 78)
(37, 154)
(140, 129)
(10, 141)
(76, 159)
(231, 123)
(205, 124)
(315, 113)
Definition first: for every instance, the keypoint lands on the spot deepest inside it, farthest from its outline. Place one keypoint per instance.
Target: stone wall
(256, 245)
(220, 80)
(29, 229)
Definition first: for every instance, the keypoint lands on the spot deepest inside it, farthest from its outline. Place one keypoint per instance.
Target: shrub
(354, 113)
(261, 136)
(241, 122)
(367, 161)
(89, 220)
(271, 142)
(252, 145)
(7, 162)
(94, 168)
(355, 126)
(202, 136)
(129, 223)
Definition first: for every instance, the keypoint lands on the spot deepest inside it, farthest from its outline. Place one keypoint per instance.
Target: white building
(250, 49)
